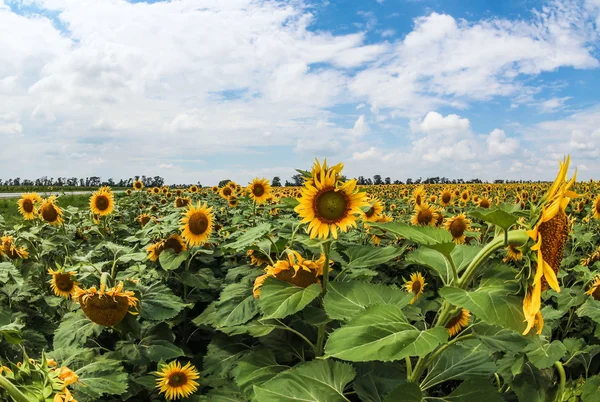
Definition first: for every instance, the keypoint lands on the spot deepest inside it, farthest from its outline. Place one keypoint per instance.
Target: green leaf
(74, 330)
(8, 271)
(169, 260)
(491, 304)
(278, 299)
(500, 339)
(9, 329)
(235, 306)
(435, 238)
(591, 388)
(253, 328)
(376, 379)
(345, 300)
(544, 355)
(432, 259)
(289, 202)
(158, 303)
(462, 255)
(531, 385)
(370, 256)
(255, 368)
(459, 362)
(473, 390)
(408, 392)
(316, 381)
(381, 332)
(248, 238)
(591, 309)
(495, 216)
(101, 377)
(157, 350)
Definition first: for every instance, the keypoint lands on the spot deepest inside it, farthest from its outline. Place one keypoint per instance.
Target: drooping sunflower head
(418, 195)
(138, 185)
(457, 226)
(27, 205)
(259, 190)
(105, 307)
(197, 224)
(102, 202)
(176, 381)
(415, 285)
(484, 203)
(50, 212)
(62, 283)
(424, 215)
(374, 213)
(592, 258)
(143, 219)
(458, 322)
(594, 289)
(327, 205)
(513, 253)
(10, 249)
(181, 202)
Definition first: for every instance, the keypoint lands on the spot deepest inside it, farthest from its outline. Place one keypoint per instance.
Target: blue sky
(202, 90)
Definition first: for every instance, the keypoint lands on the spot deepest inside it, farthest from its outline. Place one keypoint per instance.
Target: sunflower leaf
(408, 392)
(74, 330)
(101, 377)
(370, 256)
(434, 238)
(169, 260)
(496, 216)
(317, 381)
(235, 306)
(159, 303)
(278, 299)
(591, 309)
(544, 355)
(251, 236)
(256, 368)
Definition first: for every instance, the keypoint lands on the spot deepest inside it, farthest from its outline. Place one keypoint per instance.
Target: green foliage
(278, 299)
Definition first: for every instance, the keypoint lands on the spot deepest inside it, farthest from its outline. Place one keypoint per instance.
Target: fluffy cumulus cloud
(177, 88)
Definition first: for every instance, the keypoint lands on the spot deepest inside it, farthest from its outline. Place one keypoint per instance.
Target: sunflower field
(326, 292)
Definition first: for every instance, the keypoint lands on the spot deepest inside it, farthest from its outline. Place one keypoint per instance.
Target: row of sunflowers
(326, 292)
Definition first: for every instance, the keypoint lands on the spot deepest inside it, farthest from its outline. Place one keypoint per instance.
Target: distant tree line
(92, 181)
(298, 180)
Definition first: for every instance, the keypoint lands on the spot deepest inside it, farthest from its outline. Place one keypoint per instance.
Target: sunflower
(259, 190)
(418, 195)
(424, 215)
(226, 192)
(68, 376)
(550, 233)
(328, 205)
(102, 202)
(257, 258)
(464, 196)
(215, 189)
(155, 190)
(154, 250)
(457, 323)
(143, 219)
(193, 188)
(415, 285)
(592, 258)
(232, 201)
(513, 253)
(181, 202)
(318, 171)
(177, 382)
(50, 211)
(596, 208)
(138, 185)
(484, 203)
(105, 307)
(233, 185)
(173, 242)
(374, 213)
(457, 226)
(197, 224)
(62, 283)
(8, 248)
(27, 205)
(594, 290)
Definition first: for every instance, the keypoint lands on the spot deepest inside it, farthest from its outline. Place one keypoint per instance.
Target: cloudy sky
(202, 90)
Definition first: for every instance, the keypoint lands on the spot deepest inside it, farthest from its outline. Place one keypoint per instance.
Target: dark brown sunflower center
(555, 234)
(198, 223)
(425, 217)
(302, 278)
(418, 200)
(227, 191)
(370, 212)
(49, 213)
(596, 293)
(144, 220)
(597, 207)
(458, 227)
(174, 245)
(138, 185)
(484, 203)
(63, 282)
(454, 321)
(331, 206)
(102, 202)
(416, 287)
(465, 196)
(177, 379)
(446, 198)
(27, 206)
(258, 190)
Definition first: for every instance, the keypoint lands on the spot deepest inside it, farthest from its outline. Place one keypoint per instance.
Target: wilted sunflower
(232, 201)
(457, 226)
(374, 213)
(259, 190)
(138, 185)
(27, 205)
(418, 195)
(596, 208)
(62, 283)
(424, 215)
(415, 285)
(105, 307)
(457, 323)
(102, 202)
(181, 202)
(594, 290)
(177, 382)
(8, 248)
(143, 219)
(550, 233)
(197, 224)
(50, 211)
(328, 205)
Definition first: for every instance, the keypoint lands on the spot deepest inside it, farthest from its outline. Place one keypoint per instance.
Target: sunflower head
(181, 202)
(418, 195)
(62, 283)
(232, 202)
(26, 205)
(457, 226)
(374, 213)
(102, 202)
(193, 188)
(513, 253)
(138, 185)
(259, 190)
(215, 189)
(197, 224)
(594, 290)
(446, 198)
(415, 285)
(226, 192)
(9, 249)
(592, 258)
(176, 381)
(458, 322)
(424, 215)
(143, 219)
(105, 307)
(50, 212)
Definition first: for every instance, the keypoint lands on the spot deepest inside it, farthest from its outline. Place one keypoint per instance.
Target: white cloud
(360, 126)
(553, 104)
(499, 144)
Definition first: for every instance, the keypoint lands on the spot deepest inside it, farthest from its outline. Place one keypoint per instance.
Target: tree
(298, 179)
(276, 182)
(223, 182)
(388, 180)
(377, 180)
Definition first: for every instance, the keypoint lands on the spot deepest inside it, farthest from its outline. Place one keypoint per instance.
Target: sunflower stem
(13, 391)
(561, 380)
(326, 247)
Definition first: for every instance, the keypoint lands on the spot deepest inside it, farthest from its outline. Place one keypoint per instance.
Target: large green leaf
(408, 392)
(473, 390)
(316, 381)
(9, 329)
(278, 299)
(500, 339)
(74, 330)
(496, 216)
(459, 362)
(491, 304)
(369, 256)
(101, 377)
(169, 260)
(591, 309)
(235, 306)
(543, 355)
(345, 300)
(158, 302)
(435, 238)
(381, 332)
(532, 385)
(591, 389)
(374, 380)
(255, 368)
(432, 259)
(462, 255)
(248, 238)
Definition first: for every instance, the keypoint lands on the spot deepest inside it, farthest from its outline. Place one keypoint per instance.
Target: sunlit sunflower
(415, 285)
(62, 283)
(226, 192)
(197, 224)
(233, 185)
(259, 190)
(418, 195)
(319, 171)
(27, 205)
(513, 253)
(457, 226)
(457, 323)
(484, 203)
(9, 249)
(138, 185)
(50, 211)
(328, 205)
(424, 215)
(465, 196)
(445, 198)
(374, 213)
(105, 307)
(155, 190)
(232, 202)
(596, 208)
(193, 189)
(550, 233)
(102, 202)
(594, 290)
(177, 382)
(215, 189)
